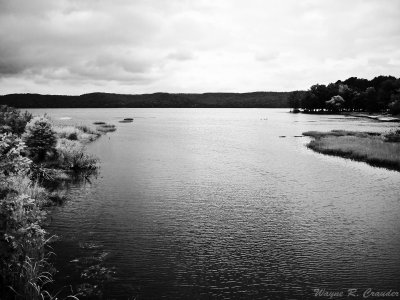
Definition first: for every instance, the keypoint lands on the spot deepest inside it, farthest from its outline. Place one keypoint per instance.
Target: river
(217, 204)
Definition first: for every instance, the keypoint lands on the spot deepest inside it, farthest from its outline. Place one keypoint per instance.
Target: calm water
(213, 203)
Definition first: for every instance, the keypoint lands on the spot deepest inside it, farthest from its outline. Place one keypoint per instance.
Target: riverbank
(36, 155)
(379, 150)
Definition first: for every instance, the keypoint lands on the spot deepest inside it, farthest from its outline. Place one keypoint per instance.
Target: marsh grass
(368, 147)
(81, 133)
(72, 156)
(104, 128)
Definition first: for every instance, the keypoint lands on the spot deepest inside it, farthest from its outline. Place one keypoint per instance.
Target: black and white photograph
(199, 149)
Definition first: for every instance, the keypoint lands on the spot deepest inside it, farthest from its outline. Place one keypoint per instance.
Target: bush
(71, 155)
(12, 158)
(24, 269)
(12, 120)
(76, 133)
(39, 138)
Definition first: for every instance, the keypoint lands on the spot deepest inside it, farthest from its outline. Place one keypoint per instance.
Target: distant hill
(104, 100)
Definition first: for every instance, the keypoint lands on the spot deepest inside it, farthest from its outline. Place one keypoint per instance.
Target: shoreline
(372, 116)
(377, 117)
(37, 158)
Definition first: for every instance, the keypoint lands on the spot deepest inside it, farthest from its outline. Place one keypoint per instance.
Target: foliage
(24, 269)
(12, 159)
(12, 120)
(76, 133)
(39, 138)
(380, 94)
(25, 158)
(105, 100)
(394, 106)
(335, 103)
(71, 155)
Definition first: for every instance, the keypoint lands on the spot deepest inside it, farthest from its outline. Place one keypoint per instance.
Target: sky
(144, 46)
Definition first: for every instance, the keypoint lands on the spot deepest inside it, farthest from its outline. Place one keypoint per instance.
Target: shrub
(76, 133)
(23, 266)
(39, 138)
(71, 155)
(24, 269)
(12, 120)
(12, 159)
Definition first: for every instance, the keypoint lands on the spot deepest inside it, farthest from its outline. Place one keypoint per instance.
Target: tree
(321, 92)
(39, 138)
(295, 99)
(370, 98)
(394, 106)
(12, 120)
(310, 102)
(335, 103)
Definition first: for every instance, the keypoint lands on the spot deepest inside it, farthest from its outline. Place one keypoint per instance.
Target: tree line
(107, 100)
(381, 94)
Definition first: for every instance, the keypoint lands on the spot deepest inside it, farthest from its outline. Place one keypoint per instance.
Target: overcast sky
(145, 46)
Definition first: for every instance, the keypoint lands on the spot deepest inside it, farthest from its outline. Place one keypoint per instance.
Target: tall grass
(72, 156)
(104, 128)
(366, 147)
(77, 133)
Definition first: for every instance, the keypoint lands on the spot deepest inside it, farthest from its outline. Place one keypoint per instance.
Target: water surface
(213, 203)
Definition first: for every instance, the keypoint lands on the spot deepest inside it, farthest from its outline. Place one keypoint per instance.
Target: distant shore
(379, 150)
(161, 100)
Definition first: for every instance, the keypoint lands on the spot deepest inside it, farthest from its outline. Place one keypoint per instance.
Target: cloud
(73, 46)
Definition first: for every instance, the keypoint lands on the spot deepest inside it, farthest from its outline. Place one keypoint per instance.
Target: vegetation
(33, 150)
(24, 270)
(12, 120)
(71, 155)
(77, 133)
(382, 150)
(257, 99)
(381, 94)
(106, 128)
(40, 139)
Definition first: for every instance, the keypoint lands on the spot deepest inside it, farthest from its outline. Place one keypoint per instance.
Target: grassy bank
(34, 153)
(380, 150)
